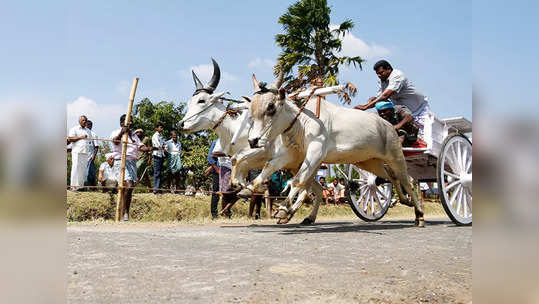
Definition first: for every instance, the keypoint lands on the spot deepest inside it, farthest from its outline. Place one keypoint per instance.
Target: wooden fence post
(121, 193)
(268, 204)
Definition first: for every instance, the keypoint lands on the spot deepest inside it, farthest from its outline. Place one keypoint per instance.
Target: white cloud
(104, 116)
(204, 73)
(261, 63)
(353, 46)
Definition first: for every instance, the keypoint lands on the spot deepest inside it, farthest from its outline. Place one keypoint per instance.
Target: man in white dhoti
(395, 86)
(80, 153)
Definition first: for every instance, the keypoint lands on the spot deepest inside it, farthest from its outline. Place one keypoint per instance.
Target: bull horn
(277, 84)
(214, 81)
(198, 84)
(255, 83)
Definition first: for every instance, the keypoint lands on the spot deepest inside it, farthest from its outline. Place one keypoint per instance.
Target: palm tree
(310, 44)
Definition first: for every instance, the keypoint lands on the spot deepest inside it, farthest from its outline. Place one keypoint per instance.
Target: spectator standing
(174, 164)
(213, 170)
(90, 179)
(158, 144)
(255, 203)
(225, 171)
(80, 153)
(144, 160)
(133, 146)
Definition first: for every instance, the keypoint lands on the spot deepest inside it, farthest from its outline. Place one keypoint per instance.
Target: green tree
(311, 45)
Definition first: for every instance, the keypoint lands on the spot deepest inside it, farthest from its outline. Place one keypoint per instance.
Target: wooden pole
(268, 204)
(121, 193)
(318, 107)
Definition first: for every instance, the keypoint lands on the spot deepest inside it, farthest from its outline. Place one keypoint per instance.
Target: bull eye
(271, 109)
(201, 101)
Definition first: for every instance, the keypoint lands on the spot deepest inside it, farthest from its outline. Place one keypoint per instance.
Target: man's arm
(406, 118)
(144, 148)
(119, 136)
(92, 158)
(373, 100)
(100, 176)
(76, 138)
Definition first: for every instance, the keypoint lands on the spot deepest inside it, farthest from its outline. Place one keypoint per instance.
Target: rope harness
(228, 111)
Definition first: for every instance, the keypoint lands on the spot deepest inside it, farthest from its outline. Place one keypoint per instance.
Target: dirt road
(330, 262)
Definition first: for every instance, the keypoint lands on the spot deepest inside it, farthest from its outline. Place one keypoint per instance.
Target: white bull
(340, 135)
(204, 111)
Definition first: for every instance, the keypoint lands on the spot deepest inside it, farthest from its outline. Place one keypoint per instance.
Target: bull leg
(376, 167)
(241, 162)
(316, 188)
(276, 163)
(400, 173)
(316, 151)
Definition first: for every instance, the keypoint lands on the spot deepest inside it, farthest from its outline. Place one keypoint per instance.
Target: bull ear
(255, 84)
(246, 98)
(216, 96)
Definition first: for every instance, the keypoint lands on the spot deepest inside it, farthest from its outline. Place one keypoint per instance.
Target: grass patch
(147, 207)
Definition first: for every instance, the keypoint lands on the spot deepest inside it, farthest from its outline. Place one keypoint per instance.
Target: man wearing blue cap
(402, 120)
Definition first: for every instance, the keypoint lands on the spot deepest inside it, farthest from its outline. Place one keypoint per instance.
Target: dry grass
(96, 206)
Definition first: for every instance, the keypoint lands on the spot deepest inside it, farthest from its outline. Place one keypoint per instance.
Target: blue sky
(85, 54)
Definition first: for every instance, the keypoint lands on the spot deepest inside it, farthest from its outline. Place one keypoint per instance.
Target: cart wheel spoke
(465, 203)
(366, 202)
(459, 202)
(454, 195)
(372, 203)
(378, 200)
(468, 165)
(453, 175)
(469, 196)
(453, 184)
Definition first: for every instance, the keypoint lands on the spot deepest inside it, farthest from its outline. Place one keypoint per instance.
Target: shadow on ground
(332, 227)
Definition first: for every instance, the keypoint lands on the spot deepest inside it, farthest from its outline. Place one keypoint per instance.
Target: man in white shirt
(90, 178)
(107, 176)
(80, 153)
(174, 166)
(158, 144)
(395, 86)
(133, 146)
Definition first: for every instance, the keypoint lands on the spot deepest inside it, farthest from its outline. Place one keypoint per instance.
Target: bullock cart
(446, 160)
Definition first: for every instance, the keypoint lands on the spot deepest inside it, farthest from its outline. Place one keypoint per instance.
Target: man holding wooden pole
(130, 155)
(126, 154)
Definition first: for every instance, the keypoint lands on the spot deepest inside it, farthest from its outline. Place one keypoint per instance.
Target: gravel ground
(329, 262)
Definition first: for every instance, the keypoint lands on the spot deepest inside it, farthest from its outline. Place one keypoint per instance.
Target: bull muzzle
(180, 126)
(253, 143)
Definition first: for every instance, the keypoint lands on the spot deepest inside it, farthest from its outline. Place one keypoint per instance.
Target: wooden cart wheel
(454, 172)
(368, 201)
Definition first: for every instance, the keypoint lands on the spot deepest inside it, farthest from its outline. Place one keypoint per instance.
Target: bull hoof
(407, 203)
(307, 221)
(281, 214)
(282, 221)
(245, 193)
(419, 223)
